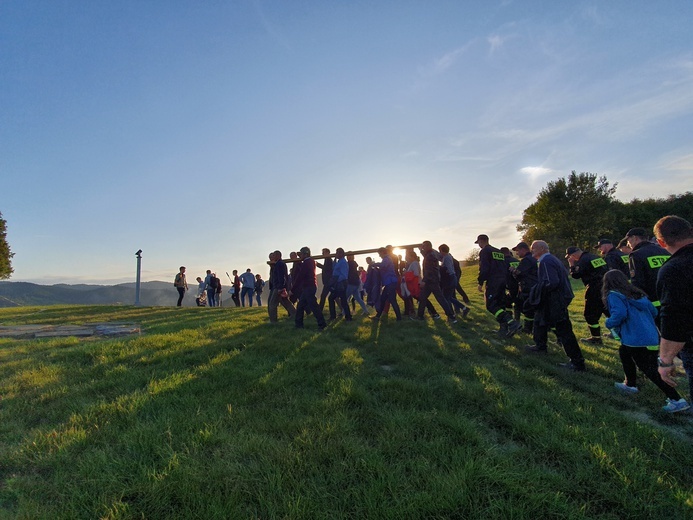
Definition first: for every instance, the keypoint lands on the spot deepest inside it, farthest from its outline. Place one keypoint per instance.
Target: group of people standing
(209, 289)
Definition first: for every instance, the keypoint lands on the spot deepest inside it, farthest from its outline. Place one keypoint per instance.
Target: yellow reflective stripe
(498, 256)
(593, 326)
(501, 311)
(657, 303)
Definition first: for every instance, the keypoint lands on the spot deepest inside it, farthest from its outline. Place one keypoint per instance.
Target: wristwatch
(663, 364)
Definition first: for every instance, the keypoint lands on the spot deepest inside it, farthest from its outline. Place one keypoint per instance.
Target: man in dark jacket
(430, 282)
(675, 290)
(614, 258)
(590, 269)
(327, 267)
(305, 285)
(645, 261)
(493, 271)
(551, 306)
(279, 277)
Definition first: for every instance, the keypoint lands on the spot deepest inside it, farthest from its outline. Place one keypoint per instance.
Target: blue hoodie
(633, 320)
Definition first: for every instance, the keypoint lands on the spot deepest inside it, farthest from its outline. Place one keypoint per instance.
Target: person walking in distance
(279, 278)
(305, 285)
(181, 285)
(210, 287)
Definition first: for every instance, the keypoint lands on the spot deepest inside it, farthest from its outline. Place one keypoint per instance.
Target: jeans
(258, 299)
(247, 291)
(353, 290)
(181, 293)
(339, 292)
(212, 297)
(389, 294)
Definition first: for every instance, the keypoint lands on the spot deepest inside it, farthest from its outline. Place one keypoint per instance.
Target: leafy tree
(472, 257)
(573, 211)
(644, 213)
(5, 253)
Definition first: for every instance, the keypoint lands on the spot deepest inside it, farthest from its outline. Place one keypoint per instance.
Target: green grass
(214, 413)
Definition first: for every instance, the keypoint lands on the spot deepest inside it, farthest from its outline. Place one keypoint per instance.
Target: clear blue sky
(210, 133)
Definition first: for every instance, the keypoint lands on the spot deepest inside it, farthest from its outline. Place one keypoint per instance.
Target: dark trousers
(308, 303)
(236, 297)
(646, 360)
(495, 300)
(389, 294)
(339, 292)
(181, 293)
(324, 293)
(434, 289)
(594, 308)
(564, 332)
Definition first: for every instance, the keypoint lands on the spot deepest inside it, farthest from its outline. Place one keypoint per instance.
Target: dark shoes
(513, 327)
(573, 366)
(592, 340)
(533, 349)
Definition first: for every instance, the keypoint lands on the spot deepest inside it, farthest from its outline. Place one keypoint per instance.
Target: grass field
(214, 413)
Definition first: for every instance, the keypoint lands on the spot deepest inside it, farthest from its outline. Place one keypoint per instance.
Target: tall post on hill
(137, 283)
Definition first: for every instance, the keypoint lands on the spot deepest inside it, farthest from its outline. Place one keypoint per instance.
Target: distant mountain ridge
(16, 294)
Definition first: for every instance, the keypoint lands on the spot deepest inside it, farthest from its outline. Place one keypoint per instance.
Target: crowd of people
(209, 290)
(642, 285)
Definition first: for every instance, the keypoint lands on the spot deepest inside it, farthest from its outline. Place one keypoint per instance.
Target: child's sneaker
(625, 388)
(676, 406)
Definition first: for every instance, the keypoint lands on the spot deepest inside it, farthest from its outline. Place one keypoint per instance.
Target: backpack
(214, 282)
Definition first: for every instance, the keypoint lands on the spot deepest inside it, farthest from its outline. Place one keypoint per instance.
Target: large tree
(574, 211)
(5, 253)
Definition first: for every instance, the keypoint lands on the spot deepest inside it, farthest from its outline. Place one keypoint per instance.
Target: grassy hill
(215, 413)
(16, 294)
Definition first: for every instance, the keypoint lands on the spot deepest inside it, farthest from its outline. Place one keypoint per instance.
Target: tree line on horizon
(580, 210)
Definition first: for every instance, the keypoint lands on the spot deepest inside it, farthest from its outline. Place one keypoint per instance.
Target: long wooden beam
(355, 253)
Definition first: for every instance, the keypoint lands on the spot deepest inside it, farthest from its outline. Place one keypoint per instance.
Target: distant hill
(14, 294)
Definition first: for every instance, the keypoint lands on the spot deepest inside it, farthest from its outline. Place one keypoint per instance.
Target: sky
(208, 134)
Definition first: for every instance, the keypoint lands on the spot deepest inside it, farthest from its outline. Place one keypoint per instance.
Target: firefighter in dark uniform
(645, 260)
(614, 258)
(494, 271)
(512, 289)
(526, 275)
(590, 269)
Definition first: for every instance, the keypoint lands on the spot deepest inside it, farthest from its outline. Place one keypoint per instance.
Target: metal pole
(137, 283)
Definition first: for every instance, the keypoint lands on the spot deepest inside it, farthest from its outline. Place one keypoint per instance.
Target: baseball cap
(481, 237)
(505, 251)
(521, 245)
(603, 241)
(571, 250)
(636, 232)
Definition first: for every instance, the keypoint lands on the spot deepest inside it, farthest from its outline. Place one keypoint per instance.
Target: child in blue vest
(631, 321)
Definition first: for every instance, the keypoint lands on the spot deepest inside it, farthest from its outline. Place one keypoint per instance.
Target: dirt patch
(80, 331)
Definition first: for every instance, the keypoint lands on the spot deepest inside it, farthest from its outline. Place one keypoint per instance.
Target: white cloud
(534, 172)
(446, 61)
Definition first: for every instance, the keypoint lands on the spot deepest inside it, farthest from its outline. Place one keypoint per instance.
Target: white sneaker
(625, 388)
